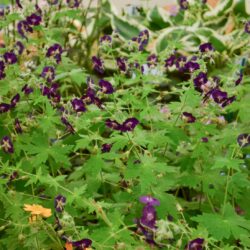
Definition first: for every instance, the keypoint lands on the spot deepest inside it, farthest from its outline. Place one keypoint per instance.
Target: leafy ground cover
(124, 131)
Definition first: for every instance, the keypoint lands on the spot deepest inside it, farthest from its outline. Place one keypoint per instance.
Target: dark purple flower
(106, 39)
(106, 148)
(244, 140)
(7, 145)
(23, 27)
(67, 124)
(169, 62)
(59, 203)
(148, 218)
(121, 64)
(1, 12)
(218, 95)
(247, 27)
(149, 200)
(143, 39)
(180, 63)
(13, 176)
(239, 80)
(48, 73)
(78, 105)
(204, 139)
(4, 107)
(89, 97)
(2, 66)
(17, 126)
(2, 75)
(195, 244)
(106, 87)
(206, 47)
(45, 90)
(10, 57)
(73, 3)
(192, 66)
(228, 101)
(15, 100)
(52, 2)
(98, 64)
(20, 47)
(82, 244)
(55, 51)
(113, 124)
(199, 81)
(19, 4)
(27, 90)
(129, 124)
(152, 60)
(188, 117)
(183, 4)
(34, 19)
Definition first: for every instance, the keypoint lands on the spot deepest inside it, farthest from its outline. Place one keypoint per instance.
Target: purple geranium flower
(218, 95)
(59, 203)
(239, 80)
(169, 62)
(73, 3)
(67, 124)
(206, 47)
(55, 51)
(17, 126)
(204, 139)
(148, 218)
(244, 140)
(4, 107)
(48, 73)
(78, 105)
(106, 148)
(106, 87)
(19, 4)
(113, 124)
(20, 47)
(23, 27)
(228, 101)
(191, 66)
(27, 90)
(199, 81)
(15, 100)
(149, 200)
(34, 19)
(106, 39)
(7, 145)
(10, 57)
(129, 124)
(247, 27)
(188, 117)
(98, 64)
(152, 60)
(82, 244)
(143, 39)
(195, 244)
(121, 64)
(180, 63)
(183, 4)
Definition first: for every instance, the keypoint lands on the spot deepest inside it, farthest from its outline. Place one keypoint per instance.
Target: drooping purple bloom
(200, 80)
(218, 95)
(14, 100)
(106, 39)
(239, 80)
(67, 124)
(19, 4)
(82, 244)
(55, 51)
(192, 66)
(106, 87)
(149, 200)
(17, 126)
(183, 4)
(152, 60)
(2, 68)
(59, 203)
(121, 64)
(113, 124)
(129, 124)
(243, 140)
(20, 47)
(188, 117)
(206, 47)
(204, 139)
(78, 105)
(48, 73)
(89, 97)
(180, 63)
(228, 101)
(247, 27)
(148, 218)
(106, 148)
(7, 145)
(34, 19)
(23, 27)
(195, 244)
(169, 62)
(143, 39)
(10, 57)
(73, 3)
(27, 90)
(51, 92)
(13, 176)
(98, 64)
(4, 107)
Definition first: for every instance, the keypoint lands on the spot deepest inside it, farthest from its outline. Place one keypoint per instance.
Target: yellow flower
(38, 210)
